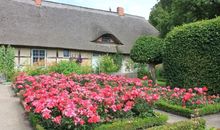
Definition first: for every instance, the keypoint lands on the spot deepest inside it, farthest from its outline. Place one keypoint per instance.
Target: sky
(134, 7)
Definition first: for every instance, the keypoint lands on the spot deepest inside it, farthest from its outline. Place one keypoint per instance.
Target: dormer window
(107, 39)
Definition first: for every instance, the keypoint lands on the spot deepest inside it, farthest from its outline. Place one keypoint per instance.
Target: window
(38, 55)
(107, 39)
(66, 53)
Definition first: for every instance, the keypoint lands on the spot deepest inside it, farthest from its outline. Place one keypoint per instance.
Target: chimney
(38, 2)
(120, 11)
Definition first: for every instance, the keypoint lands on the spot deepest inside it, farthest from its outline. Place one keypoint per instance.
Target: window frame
(39, 56)
(66, 56)
(107, 39)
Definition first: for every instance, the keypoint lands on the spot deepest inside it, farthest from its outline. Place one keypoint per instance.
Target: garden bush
(160, 74)
(35, 70)
(107, 65)
(193, 124)
(142, 71)
(7, 62)
(192, 55)
(148, 50)
(63, 67)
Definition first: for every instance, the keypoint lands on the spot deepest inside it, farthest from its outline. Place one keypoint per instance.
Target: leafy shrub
(160, 74)
(117, 58)
(35, 70)
(192, 56)
(148, 50)
(142, 71)
(66, 67)
(193, 124)
(7, 64)
(107, 65)
(63, 67)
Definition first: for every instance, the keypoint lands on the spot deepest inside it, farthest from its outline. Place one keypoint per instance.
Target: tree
(148, 49)
(167, 14)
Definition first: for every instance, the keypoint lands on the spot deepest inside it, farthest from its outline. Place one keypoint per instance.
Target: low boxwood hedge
(187, 112)
(193, 124)
(135, 123)
(124, 124)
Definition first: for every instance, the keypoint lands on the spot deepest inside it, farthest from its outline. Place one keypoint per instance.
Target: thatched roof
(65, 26)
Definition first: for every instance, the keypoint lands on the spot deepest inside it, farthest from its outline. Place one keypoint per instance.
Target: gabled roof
(65, 26)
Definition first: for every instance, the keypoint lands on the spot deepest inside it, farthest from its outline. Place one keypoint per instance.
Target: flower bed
(193, 102)
(84, 101)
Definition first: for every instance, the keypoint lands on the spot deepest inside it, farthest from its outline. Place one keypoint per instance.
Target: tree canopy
(147, 50)
(167, 14)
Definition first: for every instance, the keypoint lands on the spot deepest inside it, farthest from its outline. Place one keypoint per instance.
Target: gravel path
(12, 116)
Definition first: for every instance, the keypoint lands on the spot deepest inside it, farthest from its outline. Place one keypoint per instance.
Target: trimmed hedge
(190, 113)
(124, 124)
(193, 124)
(192, 55)
(135, 123)
(147, 49)
(175, 109)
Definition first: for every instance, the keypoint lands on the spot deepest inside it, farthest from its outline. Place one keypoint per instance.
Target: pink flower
(150, 81)
(46, 113)
(204, 88)
(19, 86)
(145, 78)
(155, 97)
(94, 119)
(69, 112)
(57, 120)
(187, 96)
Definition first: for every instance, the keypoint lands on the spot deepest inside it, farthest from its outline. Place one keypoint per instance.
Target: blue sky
(135, 7)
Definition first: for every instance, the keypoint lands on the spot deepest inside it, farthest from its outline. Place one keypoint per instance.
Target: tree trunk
(152, 72)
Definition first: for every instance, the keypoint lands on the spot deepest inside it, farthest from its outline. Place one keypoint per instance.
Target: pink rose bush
(190, 98)
(77, 100)
(73, 101)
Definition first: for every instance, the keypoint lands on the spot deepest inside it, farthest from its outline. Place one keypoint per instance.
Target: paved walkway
(12, 115)
(211, 120)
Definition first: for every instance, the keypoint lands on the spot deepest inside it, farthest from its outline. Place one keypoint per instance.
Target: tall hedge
(192, 55)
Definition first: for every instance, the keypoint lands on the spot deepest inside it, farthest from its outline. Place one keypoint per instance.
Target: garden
(182, 78)
(92, 101)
